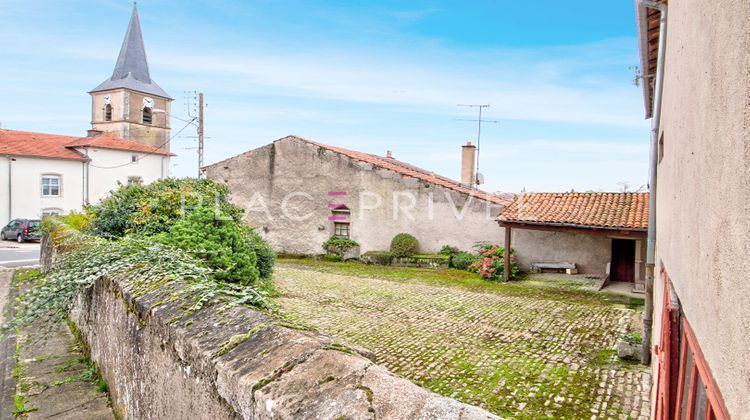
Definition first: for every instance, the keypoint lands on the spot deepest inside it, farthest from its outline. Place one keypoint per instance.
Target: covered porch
(599, 234)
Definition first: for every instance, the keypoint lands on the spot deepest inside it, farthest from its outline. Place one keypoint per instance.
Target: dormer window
(108, 112)
(147, 116)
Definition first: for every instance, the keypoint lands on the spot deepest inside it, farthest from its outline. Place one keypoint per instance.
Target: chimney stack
(468, 160)
(389, 154)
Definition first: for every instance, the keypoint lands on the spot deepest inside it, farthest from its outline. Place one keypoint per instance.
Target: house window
(147, 115)
(340, 217)
(341, 230)
(108, 112)
(50, 185)
(133, 158)
(135, 180)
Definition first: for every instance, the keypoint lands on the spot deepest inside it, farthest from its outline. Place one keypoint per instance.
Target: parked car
(22, 230)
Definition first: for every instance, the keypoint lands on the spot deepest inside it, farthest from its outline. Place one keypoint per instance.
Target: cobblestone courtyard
(517, 350)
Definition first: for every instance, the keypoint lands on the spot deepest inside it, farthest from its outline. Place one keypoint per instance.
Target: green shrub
(462, 260)
(633, 338)
(156, 207)
(378, 257)
(448, 250)
(404, 245)
(78, 221)
(266, 257)
(141, 265)
(339, 246)
(217, 240)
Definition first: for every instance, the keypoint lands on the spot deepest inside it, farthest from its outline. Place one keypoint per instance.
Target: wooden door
(623, 260)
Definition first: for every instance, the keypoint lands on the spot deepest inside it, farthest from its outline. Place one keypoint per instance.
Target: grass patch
(20, 403)
(449, 277)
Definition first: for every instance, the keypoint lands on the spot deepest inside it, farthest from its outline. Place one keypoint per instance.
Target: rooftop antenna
(479, 121)
(637, 75)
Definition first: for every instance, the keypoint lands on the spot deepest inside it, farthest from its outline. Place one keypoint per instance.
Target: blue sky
(367, 75)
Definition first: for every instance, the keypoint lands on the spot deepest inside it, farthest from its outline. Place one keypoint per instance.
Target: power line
(144, 155)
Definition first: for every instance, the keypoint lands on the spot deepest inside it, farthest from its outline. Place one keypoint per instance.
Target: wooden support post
(506, 255)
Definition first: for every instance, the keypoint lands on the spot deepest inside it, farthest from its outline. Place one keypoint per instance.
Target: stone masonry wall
(161, 362)
(289, 166)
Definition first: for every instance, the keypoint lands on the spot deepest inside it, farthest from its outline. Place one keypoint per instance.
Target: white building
(47, 173)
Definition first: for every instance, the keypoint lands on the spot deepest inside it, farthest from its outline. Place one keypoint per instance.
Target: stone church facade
(299, 193)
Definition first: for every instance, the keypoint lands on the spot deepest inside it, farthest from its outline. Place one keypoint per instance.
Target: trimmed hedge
(404, 245)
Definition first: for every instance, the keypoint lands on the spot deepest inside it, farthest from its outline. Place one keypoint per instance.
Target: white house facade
(51, 174)
(129, 142)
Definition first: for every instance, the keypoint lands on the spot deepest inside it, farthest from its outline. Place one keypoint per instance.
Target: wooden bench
(562, 267)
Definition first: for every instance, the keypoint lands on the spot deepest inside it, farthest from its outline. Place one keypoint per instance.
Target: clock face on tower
(107, 99)
(148, 102)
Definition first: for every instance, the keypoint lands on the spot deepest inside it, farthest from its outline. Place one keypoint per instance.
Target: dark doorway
(623, 260)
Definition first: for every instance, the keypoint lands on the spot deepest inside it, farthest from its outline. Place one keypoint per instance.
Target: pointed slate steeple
(131, 70)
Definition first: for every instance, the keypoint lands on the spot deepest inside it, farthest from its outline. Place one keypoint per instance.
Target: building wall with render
(703, 188)
(295, 177)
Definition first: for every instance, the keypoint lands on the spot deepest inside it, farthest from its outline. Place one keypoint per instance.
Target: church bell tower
(130, 105)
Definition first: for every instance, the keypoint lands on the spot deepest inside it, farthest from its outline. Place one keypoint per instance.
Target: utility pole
(200, 135)
(479, 132)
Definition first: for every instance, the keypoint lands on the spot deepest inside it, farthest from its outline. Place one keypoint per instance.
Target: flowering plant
(491, 263)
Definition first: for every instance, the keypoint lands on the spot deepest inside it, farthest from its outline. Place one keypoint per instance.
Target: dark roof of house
(404, 169)
(623, 211)
(131, 70)
(54, 146)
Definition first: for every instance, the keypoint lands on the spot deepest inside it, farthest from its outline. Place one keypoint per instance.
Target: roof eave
(571, 225)
(83, 158)
(642, 23)
(96, 146)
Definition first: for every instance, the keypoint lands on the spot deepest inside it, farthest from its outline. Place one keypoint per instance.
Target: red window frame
(668, 353)
(715, 408)
(677, 349)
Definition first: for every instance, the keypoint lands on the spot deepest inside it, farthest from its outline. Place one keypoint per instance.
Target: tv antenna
(479, 122)
(637, 75)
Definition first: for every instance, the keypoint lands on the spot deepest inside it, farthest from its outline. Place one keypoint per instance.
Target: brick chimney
(389, 154)
(468, 160)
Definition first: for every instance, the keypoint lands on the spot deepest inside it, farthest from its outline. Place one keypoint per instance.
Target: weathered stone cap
(264, 367)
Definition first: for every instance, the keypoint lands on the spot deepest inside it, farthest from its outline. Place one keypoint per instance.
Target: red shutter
(668, 354)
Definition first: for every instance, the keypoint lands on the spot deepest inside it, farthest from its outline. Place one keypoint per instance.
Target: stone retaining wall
(161, 362)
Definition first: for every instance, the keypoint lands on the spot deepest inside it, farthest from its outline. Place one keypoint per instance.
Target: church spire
(132, 57)
(131, 70)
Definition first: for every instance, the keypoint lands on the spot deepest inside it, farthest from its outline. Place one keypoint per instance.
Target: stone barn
(600, 233)
(299, 193)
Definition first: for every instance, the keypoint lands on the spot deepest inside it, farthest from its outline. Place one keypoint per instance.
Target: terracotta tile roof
(627, 211)
(25, 143)
(411, 171)
(116, 143)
